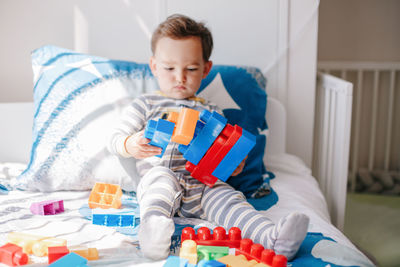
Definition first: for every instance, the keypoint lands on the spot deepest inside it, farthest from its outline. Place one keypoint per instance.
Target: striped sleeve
(132, 121)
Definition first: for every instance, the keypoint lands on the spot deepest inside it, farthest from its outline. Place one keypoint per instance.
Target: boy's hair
(180, 26)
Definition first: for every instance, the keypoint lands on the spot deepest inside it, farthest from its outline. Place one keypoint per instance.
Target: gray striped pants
(162, 192)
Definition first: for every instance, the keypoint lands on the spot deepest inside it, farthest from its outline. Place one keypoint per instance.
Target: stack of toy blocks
(12, 255)
(229, 249)
(212, 147)
(47, 207)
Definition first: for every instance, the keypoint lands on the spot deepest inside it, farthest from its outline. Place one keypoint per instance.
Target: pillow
(239, 92)
(77, 97)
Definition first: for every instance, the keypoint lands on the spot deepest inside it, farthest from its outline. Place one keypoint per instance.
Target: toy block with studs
(54, 253)
(33, 244)
(211, 252)
(188, 251)
(185, 124)
(257, 252)
(219, 237)
(12, 255)
(69, 260)
(159, 132)
(87, 253)
(105, 196)
(207, 130)
(47, 207)
(115, 217)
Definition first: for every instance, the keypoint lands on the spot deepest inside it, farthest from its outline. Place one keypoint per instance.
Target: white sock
(155, 234)
(290, 232)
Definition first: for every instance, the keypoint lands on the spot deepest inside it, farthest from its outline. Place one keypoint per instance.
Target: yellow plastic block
(34, 244)
(105, 196)
(88, 253)
(189, 251)
(185, 124)
(237, 261)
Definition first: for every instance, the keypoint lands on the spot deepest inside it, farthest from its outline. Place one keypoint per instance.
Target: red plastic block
(257, 252)
(57, 252)
(12, 255)
(217, 238)
(221, 146)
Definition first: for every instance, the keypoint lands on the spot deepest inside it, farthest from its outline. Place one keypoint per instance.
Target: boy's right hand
(138, 146)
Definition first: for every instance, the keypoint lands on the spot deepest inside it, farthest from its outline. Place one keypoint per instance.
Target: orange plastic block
(12, 255)
(54, 253)
(185, 124)
(217, 238)
(88, 253)
(33, 244)
(105, 196)
(257, 252)
(237, 261)
(189, 251)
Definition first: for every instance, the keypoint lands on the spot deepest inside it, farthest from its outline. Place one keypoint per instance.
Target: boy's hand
(239, 168)
(138, 146)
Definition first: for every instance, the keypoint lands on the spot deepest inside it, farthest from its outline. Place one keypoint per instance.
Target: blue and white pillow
(77, 99)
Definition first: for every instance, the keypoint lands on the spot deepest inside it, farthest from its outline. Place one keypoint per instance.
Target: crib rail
(332, 142)
(375, 146)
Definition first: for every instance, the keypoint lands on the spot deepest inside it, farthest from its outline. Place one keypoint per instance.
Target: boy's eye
(192, 69)
(168, 68)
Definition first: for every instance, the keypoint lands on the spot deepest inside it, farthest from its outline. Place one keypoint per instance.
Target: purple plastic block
(47, 207)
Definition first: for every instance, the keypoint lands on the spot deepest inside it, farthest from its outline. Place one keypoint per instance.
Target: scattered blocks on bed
(34, 244)
(12, 255)
(105, 196)
(47, 207)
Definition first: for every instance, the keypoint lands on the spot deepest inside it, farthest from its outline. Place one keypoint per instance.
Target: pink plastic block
(47, 207)
(217, 238)
(12, 255)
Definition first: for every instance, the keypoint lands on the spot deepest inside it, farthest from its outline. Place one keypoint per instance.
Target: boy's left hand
(239, 168)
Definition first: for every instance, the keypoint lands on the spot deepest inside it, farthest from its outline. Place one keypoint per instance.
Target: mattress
(293, 189)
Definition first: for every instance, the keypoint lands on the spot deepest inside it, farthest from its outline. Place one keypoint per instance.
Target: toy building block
(12, 255)
(207, 130)
(235, 156)
(257, 252)
(217, 238)
(174, 261)
(220, 148)
(211, 263)
(211, 252)
(70, 260)
(33, 244)
(185, 123)
(189, 251)
(105, 196)
(54, 253)
(159, 132)
(237, 261)
(88, 253)
(47, 207)
(115, 217)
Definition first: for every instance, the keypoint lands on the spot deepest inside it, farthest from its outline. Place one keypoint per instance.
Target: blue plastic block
(70, 260)
(212, 263)
(214, 123)
(115, 217)
(159, 132)
(175, 261)
(235, 156)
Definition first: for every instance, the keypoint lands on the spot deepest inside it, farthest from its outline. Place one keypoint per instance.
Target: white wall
(278, 36)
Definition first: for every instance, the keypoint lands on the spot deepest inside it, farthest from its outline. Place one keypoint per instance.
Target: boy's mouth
(180, 87)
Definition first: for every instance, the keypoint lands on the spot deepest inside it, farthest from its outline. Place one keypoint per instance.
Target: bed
(72, 103)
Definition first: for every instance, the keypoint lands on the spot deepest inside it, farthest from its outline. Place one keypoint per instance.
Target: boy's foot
(155, 236)
(289, 233)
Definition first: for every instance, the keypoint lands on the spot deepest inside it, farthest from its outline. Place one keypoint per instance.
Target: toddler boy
(181, 50)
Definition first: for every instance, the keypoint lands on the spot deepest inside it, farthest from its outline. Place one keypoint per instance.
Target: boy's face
(179, 66)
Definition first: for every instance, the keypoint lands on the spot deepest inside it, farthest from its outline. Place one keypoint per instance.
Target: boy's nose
(181, 76)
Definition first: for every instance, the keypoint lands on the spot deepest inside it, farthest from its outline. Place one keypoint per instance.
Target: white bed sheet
(296, 188)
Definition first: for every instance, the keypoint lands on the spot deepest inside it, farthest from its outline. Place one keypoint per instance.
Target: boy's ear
(207, 68)
(153, 66)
